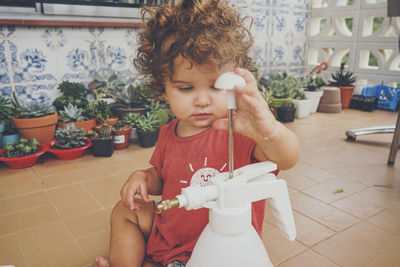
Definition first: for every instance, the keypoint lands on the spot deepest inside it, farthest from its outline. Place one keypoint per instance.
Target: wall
(34, 60)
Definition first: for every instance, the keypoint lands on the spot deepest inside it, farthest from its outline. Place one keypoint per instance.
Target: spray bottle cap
(228, 81)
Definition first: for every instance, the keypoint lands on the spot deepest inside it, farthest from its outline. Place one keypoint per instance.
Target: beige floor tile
(334, 189)
(302, 169)
(387, 220)
(308, 231)
(106, 190)
(72, 176)
(20, 221)
(299, 182)
(24, 202)
(279, 248)
(390, 257)
(42, 246)
(10, 251)
(365, 203)
(73, 200)
(328, 216)
(95, 245)
(308, 259)
(18, 183)
(89, 224)
(356, 246)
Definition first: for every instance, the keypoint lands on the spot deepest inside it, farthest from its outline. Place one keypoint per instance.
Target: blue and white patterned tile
(297, 72)
(6, 91)
(298, 23)
(116, 54)
(279, 22)
(5, 64)
(281, 3)
(261, 19)
(54, 38)
(259, 52)
(239, 2)
(258, 3)
(42, 93)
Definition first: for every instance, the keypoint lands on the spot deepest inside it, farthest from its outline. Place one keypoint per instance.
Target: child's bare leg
(129, 232)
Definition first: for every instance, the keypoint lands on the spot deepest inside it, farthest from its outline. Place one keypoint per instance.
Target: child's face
(193, 98)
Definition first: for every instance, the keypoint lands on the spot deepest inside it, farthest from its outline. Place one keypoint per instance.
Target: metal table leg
(395, 143)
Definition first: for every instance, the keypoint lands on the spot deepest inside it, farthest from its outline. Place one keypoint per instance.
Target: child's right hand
(136, 184)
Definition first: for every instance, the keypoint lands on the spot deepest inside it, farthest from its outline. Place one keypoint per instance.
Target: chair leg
(395, 142)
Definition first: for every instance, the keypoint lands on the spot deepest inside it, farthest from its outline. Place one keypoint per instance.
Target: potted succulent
(286, 112)
(282, 87)
(103, 112)
(72, 93)
(122, 133)
(131, 119)
(73, 114)
(103, 143)
(345, 81)
(130, 98)
(267, 95)
(159, 110)
(313, 85)
(147, 129)
(5, 115)
(34, 120)
(70, 142)
(302, 104)
(22, 154)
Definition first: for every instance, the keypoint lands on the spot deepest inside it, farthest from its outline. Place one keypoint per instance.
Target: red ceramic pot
(122, 138)
(24, 162)
(69, 154)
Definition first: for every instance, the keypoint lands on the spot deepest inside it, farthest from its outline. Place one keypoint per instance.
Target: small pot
(286, 115)
(121, 138)
(69, 154)
(24, 162)
(147, 139)
(42, 128)
(103, 147)
(10, 139)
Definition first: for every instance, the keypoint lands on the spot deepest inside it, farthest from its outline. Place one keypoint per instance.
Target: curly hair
(202, 31)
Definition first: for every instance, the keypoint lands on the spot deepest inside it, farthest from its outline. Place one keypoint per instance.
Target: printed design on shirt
(204, 175)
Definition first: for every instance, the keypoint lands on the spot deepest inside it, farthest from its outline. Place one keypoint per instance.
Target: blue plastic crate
(388, 97)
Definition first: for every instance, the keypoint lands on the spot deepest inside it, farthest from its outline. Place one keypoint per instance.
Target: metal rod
(230, 133)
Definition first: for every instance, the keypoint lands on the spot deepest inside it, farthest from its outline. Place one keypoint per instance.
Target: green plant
(265, 93)
(22, 148)
(159, 110)
(9, 127)
(288, 106)
(30, 110)
(72, 93)
(343, 78)
(72, 113)
(105, 132)
(69, 136)
(282, 85)
(148, 122)
(313, 83)
(130, 96)
(298, 93)
(103, 110)
(131, 119)
(5, 108)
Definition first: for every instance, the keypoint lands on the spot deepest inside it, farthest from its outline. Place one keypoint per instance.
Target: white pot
(134, 137)
(316, 97)
(303, 107)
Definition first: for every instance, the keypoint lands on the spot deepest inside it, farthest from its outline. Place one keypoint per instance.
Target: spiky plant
(148, 122)
(105, 132)
(5, 108)
(70, 136)
(33, 110)
(343, 78)
(131, 119)
(21, 148)
(72, 113)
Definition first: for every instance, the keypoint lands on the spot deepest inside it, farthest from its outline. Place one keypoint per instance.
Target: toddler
(184, 47)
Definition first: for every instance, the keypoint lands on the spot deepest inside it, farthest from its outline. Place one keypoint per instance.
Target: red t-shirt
(185, 161)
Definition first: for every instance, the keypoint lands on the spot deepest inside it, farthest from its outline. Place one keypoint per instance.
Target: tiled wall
(34, 60)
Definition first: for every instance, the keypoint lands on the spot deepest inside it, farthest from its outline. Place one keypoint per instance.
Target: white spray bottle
(229, 239)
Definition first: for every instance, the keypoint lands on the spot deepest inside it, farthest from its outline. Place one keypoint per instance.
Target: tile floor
(345, 200)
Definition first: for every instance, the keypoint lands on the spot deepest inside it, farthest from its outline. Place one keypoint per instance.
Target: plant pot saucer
(24, 162)
(69, 154)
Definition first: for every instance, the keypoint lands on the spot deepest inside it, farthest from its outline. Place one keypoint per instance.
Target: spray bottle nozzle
(167, 204)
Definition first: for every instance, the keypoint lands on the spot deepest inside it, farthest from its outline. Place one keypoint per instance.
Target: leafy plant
(120, 125)
(72, 93)
(22, 148)
(343, 78)
(30, 110)
(130, 96)
(298, 93)
(9, 127)
(148, 122)
(282, 85)
(69, 136)
(266, 94)
(5, 108)
(158, 109)
(288, 106)
(313, 83)
(131, 119)
(72, 113)
(103, 110)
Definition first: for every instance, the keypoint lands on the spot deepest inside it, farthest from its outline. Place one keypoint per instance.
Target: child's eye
(185, 88)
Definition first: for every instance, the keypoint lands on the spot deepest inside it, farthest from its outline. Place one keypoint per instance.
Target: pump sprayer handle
(228, 81)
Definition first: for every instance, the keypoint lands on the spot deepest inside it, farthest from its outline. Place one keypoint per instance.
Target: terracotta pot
(346, 92)
(121, 138)
(110, 121)
(69, 154)
(42, 128)
(85, 125)
(121, 112)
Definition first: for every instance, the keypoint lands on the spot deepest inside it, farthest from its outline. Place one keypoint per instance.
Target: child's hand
(136, 184)
(253, 116)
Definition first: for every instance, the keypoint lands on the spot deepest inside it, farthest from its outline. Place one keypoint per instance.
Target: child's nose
(203, 98)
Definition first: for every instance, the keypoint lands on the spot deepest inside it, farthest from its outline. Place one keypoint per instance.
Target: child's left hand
(253, 117)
